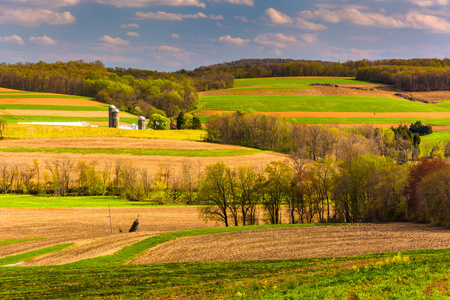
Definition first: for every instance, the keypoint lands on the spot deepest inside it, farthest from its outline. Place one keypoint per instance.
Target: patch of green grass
(317, 104)
(53, 107)
(276, 86)
(425, 276)
(29, 201)
(152, 152)
(13, 259)
(38, 95)
(437, 137)
(7, 242)
(298, 80)
(71, 119)
(319, 120)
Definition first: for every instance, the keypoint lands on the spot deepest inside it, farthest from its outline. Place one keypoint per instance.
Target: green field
(296, 80)
(29, 201)
(39, 95)
(151, 152)
(319, 120)
(53, 107)
(317, 104)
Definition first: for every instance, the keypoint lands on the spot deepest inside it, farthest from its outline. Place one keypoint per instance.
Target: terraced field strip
(290, 80)
(51, 101)
(32, 254)
(52, 107)
(18, 131)
(63, 113)
(317, 104)
(140, 152)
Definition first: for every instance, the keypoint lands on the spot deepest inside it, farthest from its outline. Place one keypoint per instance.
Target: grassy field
(29, 201)
(152, 152)
(295, 80)
(53, 107)
(317, 104)
(17, 131)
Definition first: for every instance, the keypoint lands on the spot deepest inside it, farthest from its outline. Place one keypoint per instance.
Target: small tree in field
(2, 127)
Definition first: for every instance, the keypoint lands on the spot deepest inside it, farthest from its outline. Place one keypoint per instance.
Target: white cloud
(242, 18)
(235, 41)
(216, 17)
(42, 40)
(303, 24)
(175, 36)
(131, 33)
(240, 2)
(277, 17)
(34, 17)
(169, 49)
(13, 39)
(413, 19)
(278, 40)
(44, 3)
(113, 41)
(164, 16)
(426, 3)
(147, 3)
(309, 38)
(129, 25)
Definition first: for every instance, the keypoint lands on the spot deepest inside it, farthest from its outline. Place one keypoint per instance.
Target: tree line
(270, 132)
(356, 188)
(254, 68)
(137, 91)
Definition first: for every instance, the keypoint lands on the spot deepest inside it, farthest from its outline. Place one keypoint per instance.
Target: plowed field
(300, 242)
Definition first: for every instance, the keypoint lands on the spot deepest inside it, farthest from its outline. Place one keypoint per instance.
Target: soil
(112, 143)
(300, 242)
(89, 229)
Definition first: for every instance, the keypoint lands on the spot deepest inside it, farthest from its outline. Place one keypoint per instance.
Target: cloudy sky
(168, 35)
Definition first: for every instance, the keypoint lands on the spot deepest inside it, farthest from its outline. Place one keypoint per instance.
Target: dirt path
(295, 243)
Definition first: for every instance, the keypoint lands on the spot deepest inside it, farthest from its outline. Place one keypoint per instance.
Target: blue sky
(168, 35)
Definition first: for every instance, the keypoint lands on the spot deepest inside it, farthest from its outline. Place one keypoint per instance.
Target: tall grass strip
(13, 259)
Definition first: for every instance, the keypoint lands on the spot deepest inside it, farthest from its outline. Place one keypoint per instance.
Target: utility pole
(109, 216)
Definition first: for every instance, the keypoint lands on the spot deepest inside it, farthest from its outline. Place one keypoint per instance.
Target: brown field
(112, 143)
(300, 242)
(51, 101)
(89, 229)
(151, 163)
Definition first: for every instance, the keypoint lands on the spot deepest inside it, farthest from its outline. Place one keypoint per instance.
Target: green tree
(215, 193)
(277, 188)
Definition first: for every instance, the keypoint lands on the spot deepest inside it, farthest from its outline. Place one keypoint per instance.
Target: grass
(29, 201)
(317, 104)
(423, 275)
(7, 242)
(319, 120)
(13, 259)
(53, 107)
(437, 137)
(151, 152)
(276, 86)
(40, 95)
(18, 131)
(297, 80)
(16, 119)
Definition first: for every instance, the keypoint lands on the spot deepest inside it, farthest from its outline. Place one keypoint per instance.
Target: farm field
(20, 106)
(352, 102)
(296, 260)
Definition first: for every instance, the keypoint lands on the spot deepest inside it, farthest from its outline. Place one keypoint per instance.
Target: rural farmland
(64, 247)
